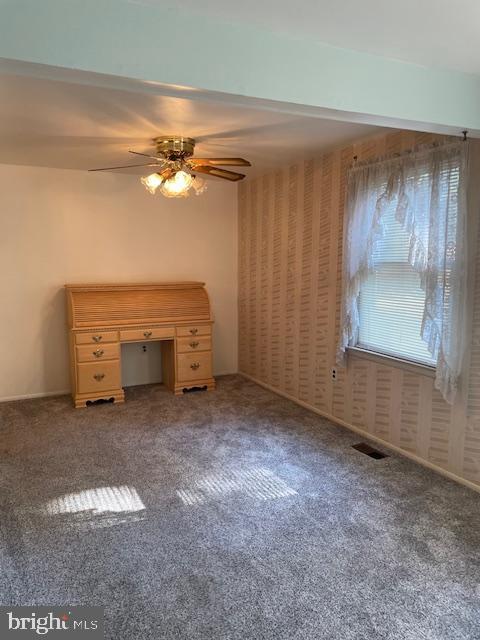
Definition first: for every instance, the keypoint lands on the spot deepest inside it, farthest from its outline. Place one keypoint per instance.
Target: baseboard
(31, 396)
(65, 392)
(367, 435)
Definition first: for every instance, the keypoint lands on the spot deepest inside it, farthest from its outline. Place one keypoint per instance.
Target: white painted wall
(59, 226)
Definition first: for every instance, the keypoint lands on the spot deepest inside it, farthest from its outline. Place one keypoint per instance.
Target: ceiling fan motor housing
(175, 147)
(174, 157)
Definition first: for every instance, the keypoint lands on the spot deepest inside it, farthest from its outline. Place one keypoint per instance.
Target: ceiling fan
(177, 170)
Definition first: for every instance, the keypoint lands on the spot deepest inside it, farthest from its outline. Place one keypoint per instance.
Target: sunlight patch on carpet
(258, 483)
(96, 501)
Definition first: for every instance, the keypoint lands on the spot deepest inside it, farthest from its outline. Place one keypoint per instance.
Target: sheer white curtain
(427, 188)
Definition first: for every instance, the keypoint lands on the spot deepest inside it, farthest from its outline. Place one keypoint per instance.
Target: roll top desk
(103, 316)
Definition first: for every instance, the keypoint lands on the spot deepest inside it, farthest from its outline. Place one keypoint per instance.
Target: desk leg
(168, 364)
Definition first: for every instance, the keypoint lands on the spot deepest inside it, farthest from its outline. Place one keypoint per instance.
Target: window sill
(385, 360)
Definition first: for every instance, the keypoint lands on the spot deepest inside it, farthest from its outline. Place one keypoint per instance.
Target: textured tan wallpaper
(290, 253)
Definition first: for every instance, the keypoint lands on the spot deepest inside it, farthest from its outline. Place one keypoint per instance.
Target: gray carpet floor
(230, 515)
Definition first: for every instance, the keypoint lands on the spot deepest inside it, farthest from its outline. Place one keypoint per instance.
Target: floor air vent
(365, 448)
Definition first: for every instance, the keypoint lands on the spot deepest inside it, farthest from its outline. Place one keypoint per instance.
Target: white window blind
(391, 300)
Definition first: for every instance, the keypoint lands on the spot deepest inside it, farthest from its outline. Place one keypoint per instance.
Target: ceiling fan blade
(233, 176)
(232, 162)
(145, 155)
(127, 166)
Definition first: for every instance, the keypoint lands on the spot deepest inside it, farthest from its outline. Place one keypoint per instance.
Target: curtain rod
(421, 149)
(464, 132)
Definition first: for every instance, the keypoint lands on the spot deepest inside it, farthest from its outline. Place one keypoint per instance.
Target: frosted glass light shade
(177, 186)
(199, 185)
(152, 182)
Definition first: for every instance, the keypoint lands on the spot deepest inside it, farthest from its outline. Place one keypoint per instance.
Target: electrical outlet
(144, 348)
(334, 373)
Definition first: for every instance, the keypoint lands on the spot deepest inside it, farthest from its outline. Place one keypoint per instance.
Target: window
(404, 260)
(391, 300)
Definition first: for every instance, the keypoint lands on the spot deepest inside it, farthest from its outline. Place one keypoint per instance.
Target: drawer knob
(194, 332)
(96, 338)
(147, 334)
(99, 376)
(98, 353)
(194, 365)
(194, 344)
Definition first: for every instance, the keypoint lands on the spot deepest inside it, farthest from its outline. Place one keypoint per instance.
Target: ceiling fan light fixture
(199, 185)
(177, 169)
(152, 182)
(178, 185)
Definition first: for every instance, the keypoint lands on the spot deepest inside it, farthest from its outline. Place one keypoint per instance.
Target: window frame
(385, 359)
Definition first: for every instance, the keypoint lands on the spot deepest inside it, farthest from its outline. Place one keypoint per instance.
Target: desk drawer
(140, 335)
(194, 366)
(94, 353)
(96, 337)
(98, 376)
(194, 343)
(194, 330)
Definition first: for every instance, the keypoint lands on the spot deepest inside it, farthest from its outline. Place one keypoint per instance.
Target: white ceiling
(66, 125)
(435, 33)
